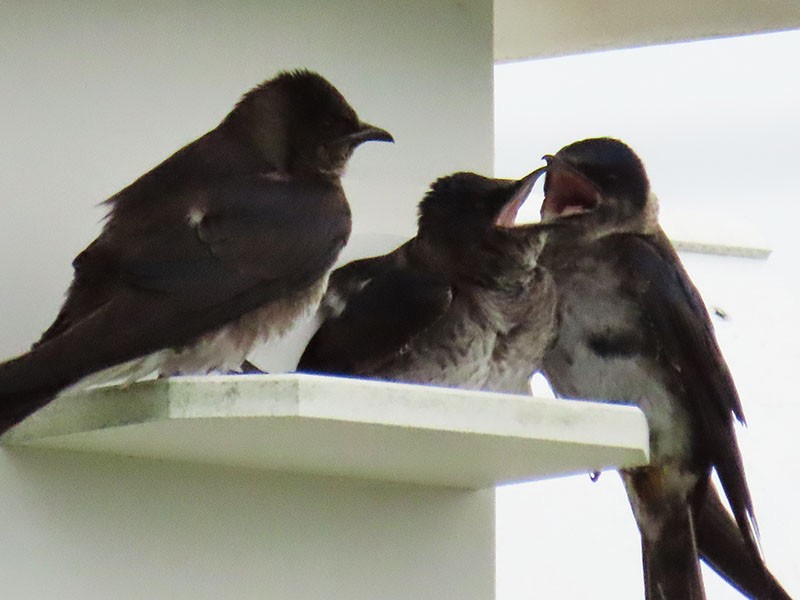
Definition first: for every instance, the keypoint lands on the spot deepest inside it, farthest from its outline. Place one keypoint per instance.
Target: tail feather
(14, 410)
(730, 469)
(30, 381)
(722, 546)
(670, 562)
(660, 504)
(24, 389)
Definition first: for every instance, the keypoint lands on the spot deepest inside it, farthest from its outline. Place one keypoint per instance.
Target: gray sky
(718, 126)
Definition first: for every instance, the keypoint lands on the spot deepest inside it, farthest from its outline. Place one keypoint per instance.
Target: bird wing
(676, 317)
(242, 234)
(211, 254)
(386, 305)
(721, 545)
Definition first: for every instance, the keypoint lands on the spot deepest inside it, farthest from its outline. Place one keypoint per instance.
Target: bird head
(467, 202)
(469, 220)
(598, 184)
(300, 123)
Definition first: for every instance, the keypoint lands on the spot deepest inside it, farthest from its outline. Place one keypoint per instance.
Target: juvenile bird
(462, 304)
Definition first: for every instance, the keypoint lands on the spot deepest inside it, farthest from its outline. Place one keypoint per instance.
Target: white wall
(93, 94)
(547, 28)
(90, 526)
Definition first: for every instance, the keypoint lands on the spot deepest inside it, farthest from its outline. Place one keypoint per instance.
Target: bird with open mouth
(462, 304)
(632, 328)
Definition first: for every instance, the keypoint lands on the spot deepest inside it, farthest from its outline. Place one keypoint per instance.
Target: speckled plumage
(488, 339)
(463, 304)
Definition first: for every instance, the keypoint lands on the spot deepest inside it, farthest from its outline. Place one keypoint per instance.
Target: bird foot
(249, 368)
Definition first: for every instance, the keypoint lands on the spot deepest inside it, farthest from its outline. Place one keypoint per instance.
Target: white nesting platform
(343, 427)
(282, 486)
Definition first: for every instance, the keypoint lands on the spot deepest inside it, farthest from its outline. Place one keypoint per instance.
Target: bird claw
(249, 368)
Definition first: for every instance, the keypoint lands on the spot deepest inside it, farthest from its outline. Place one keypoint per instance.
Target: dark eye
(328, 122)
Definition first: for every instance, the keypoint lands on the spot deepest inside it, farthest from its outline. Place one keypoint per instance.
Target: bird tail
(25, 387)
(670, 562)
(722, 546)
(110, 335)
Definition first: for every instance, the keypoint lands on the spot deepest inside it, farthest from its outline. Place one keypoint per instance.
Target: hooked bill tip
(370, 133)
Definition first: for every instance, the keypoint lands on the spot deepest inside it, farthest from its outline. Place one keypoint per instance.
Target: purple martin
(632, 328)
(462, 304)
(225, 243)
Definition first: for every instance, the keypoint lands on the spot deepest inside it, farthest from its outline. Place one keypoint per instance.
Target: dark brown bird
(461, 304)
(633, 328)
(225, 243)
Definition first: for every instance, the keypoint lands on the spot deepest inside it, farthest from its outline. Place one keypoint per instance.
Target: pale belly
(222, 350)
(626, 380)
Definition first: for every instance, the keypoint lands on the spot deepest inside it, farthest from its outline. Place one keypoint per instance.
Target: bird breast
(226, 348)
(591, 310)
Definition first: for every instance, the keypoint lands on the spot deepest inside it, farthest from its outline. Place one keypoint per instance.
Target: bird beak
(366, 133)
(525, 185)
(522, 189)
(567, 192)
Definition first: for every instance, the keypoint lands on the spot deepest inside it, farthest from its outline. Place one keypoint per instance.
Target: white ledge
(756, 252)
(344, 427)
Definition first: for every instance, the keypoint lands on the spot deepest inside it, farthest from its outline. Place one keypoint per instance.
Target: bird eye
(328, 122)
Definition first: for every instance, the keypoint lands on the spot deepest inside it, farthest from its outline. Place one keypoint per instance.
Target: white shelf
(343, 427)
